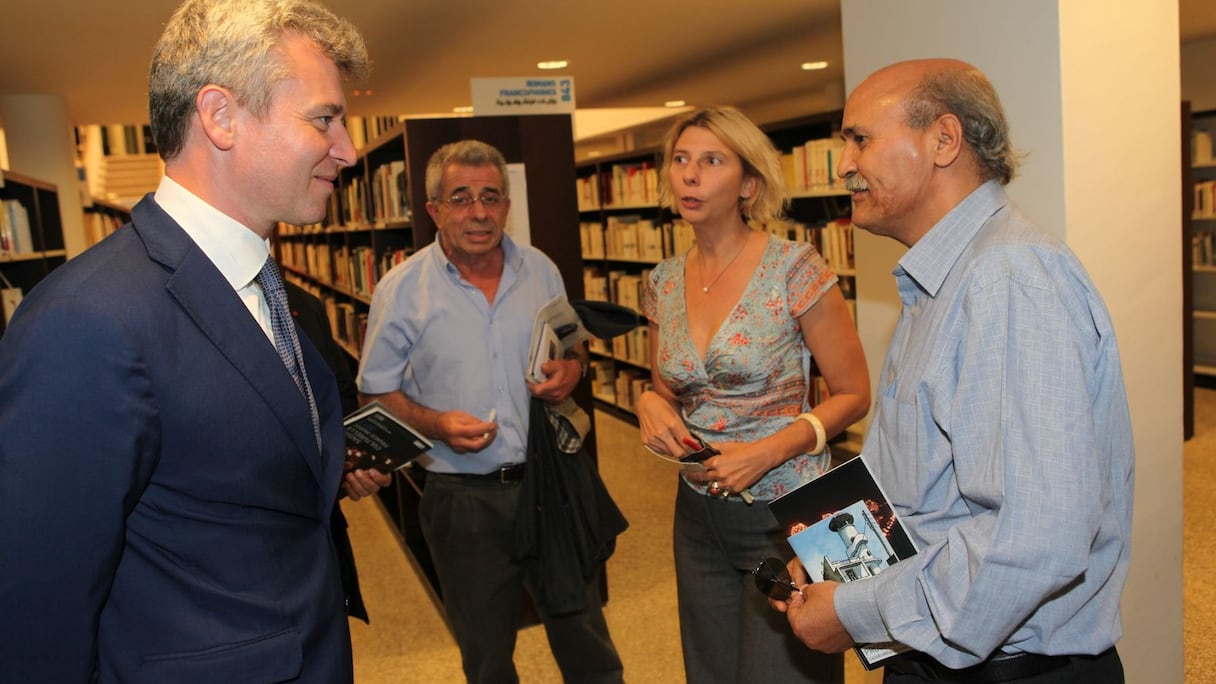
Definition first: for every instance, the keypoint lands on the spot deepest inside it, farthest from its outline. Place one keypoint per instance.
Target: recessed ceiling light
(553, 64)
(674, 103)
(814, 66)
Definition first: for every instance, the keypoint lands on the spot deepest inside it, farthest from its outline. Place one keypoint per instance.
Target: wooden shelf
(826, 192)
(46, 252)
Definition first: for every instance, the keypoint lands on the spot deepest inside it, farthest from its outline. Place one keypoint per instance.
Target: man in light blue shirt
(446, 350)
(1001, 432)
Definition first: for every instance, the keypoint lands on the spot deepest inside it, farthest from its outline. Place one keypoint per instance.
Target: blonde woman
(731, 324)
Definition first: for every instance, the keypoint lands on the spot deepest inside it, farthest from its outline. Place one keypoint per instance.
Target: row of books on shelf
(1201, 148)
(378, 200)
(1203, 248)
(1205, 200)
(365, 129)
(15, 235)
(625, 237)
(98, 225)
(355, 269)
(833, 239)
(621, 185)
(313, 259)
(358, 269)
(618, 385)
(615, 285)
(633, 238)
(632, 347)
(116, 140)
(390, 197)
(811, 167)
(347, 324)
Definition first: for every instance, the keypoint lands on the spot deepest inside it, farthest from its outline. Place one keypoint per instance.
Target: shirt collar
(931, 259)
(236, 251)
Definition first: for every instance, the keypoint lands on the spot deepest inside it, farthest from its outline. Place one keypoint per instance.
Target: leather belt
(1001, 667)
(512, 472)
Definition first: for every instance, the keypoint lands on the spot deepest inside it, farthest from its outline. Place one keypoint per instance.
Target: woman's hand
(739, 466)
(660, 425)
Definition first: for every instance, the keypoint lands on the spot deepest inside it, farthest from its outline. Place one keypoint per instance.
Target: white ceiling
(623, 53)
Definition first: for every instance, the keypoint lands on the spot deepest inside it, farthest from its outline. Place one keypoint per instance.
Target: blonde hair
(233, 43)
(761, 161)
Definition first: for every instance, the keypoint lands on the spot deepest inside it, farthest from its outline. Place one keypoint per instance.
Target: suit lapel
(207, 298)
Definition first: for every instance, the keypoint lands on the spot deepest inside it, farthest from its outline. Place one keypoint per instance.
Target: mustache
(855, 183)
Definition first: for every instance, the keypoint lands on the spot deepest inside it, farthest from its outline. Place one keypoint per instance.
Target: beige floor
(1198, 552)
(407, 640)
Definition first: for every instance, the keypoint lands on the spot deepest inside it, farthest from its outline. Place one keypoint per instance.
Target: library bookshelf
(103, 217)
(1203, 244)
(31, 236)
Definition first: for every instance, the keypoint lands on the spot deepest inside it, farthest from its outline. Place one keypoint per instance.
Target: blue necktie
(285, 339)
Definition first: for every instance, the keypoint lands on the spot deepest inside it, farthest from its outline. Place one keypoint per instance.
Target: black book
(375, 438)
(843, 528)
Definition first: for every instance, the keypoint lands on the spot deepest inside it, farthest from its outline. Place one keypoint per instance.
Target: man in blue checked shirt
(1001, 432)
(447, 344)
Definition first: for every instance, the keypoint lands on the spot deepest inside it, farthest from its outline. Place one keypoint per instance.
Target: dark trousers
(1100, 669)
(728, 631)
(469, 526)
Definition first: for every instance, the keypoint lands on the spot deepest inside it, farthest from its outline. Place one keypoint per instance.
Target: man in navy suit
(166, 483)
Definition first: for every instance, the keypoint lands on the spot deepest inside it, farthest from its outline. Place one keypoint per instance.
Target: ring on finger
(725, 493)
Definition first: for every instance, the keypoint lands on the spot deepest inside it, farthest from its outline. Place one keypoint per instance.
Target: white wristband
(821, 438)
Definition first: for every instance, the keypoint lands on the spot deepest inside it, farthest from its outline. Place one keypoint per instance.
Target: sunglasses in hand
(773, 580)
(701, 450)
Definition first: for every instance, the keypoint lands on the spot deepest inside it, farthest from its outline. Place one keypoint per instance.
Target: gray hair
(233, 43)
(464, 153)
(969, 95)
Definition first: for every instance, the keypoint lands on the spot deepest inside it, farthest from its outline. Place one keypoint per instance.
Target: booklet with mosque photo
(375, 438)
(843, 528)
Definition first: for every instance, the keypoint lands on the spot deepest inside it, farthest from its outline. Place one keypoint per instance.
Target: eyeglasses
(773, 580)
(462, 201)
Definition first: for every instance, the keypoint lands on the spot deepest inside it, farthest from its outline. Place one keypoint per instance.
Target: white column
(40, 145)
(1093, 99)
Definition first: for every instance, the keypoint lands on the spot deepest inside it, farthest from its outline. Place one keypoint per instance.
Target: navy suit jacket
(164, 511)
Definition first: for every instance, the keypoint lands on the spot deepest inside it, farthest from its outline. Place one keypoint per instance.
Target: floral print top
(753, 379)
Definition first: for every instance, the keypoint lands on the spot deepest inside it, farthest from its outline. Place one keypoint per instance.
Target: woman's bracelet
(821, 436)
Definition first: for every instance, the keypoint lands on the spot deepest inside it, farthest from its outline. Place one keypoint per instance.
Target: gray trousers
(469, 526)
(728, 631)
